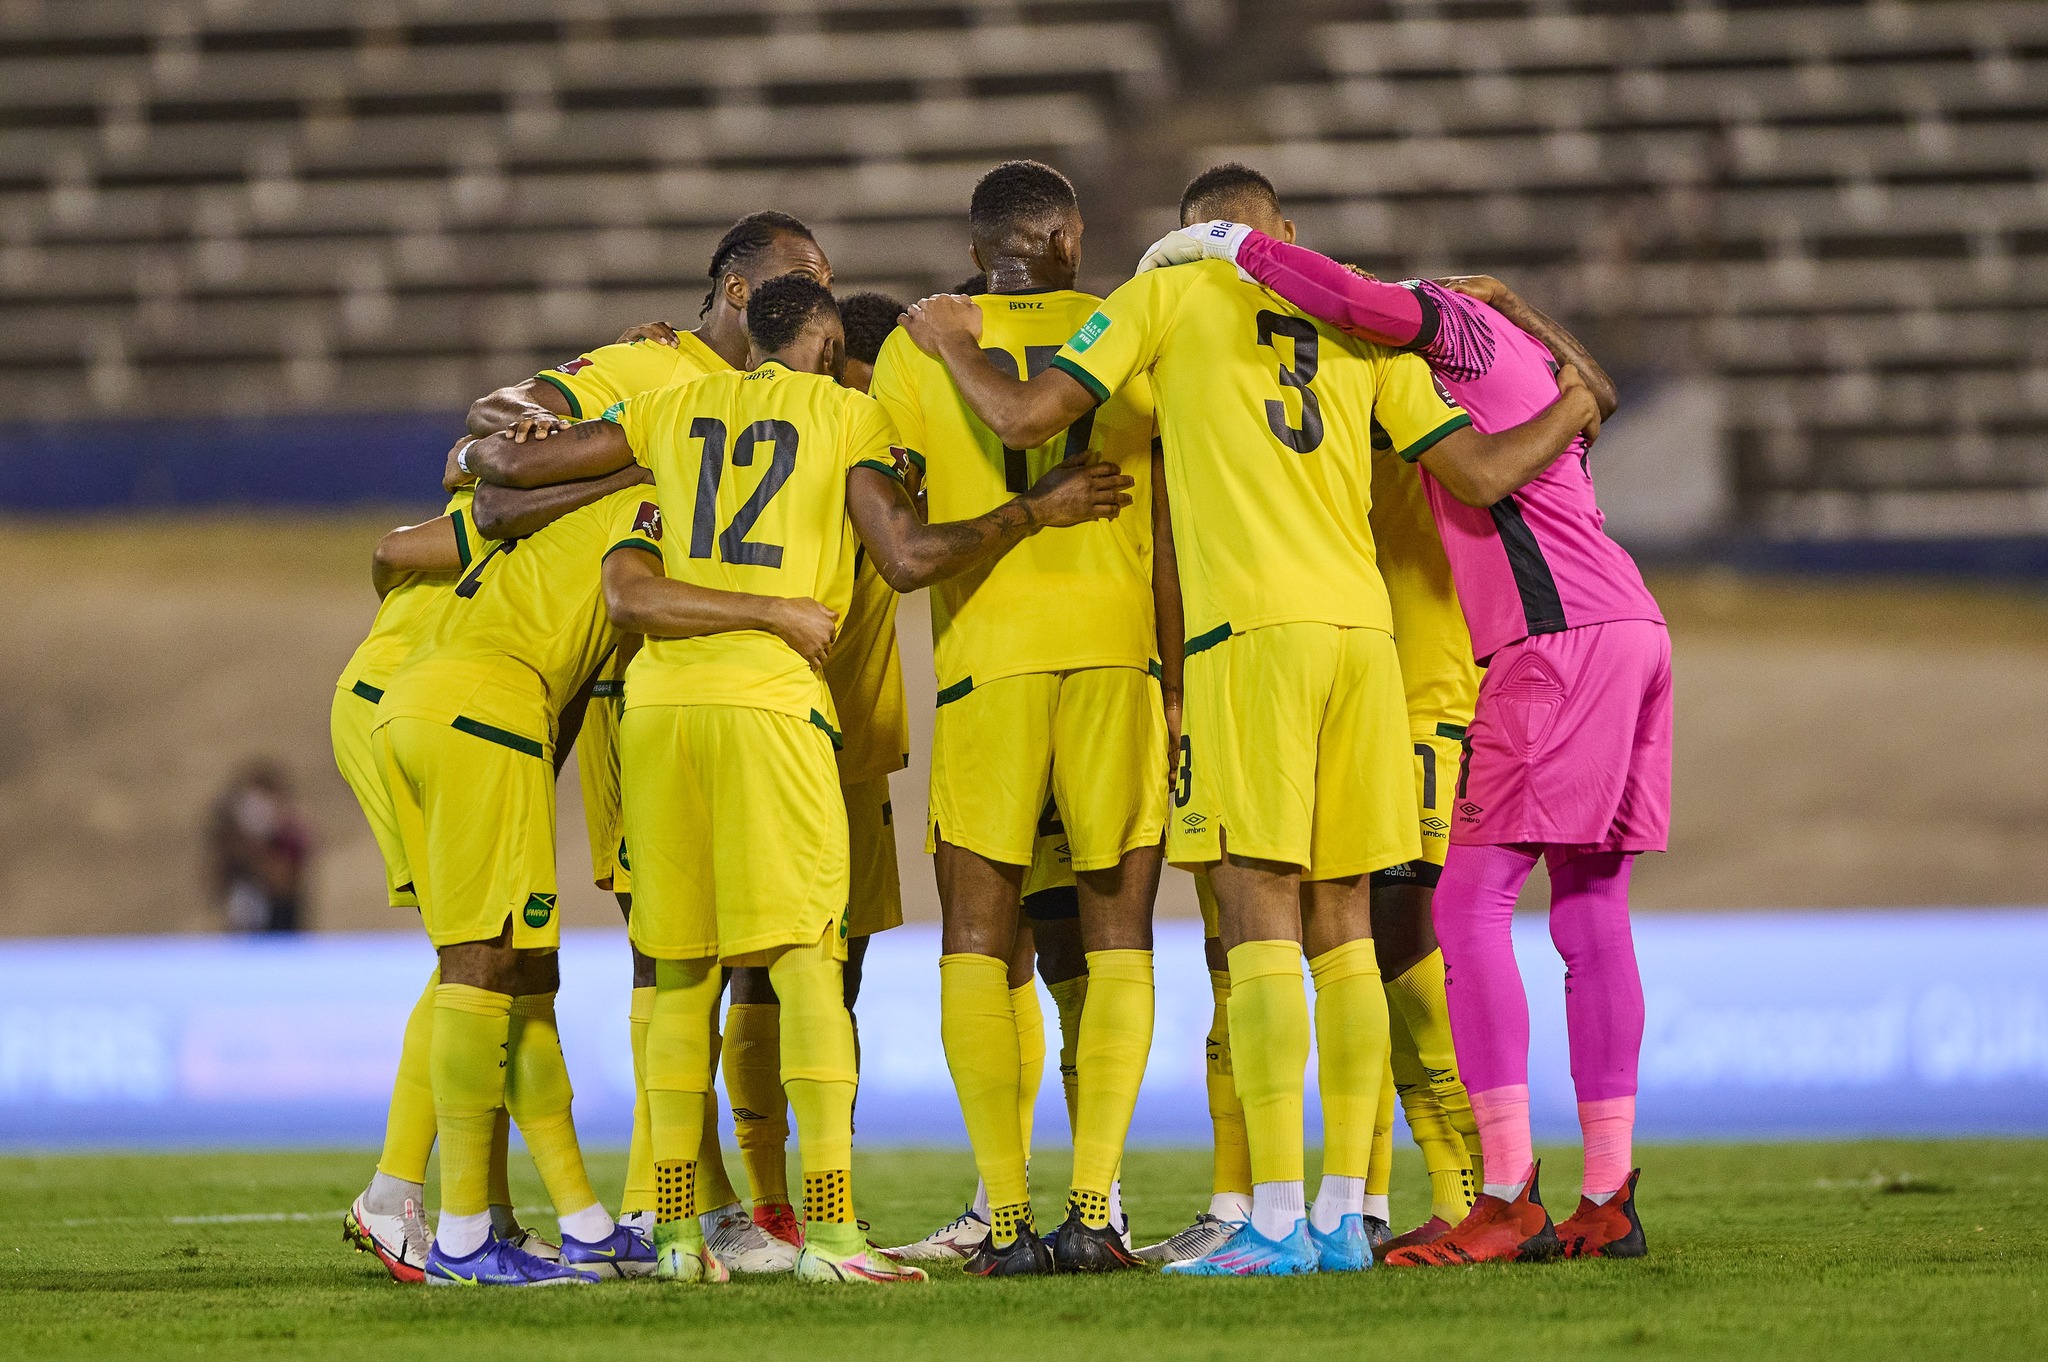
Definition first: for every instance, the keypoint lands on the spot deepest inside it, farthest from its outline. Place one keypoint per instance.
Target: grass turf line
(1804, 1250)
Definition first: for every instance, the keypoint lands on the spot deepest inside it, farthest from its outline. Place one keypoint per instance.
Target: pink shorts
(1570, 745)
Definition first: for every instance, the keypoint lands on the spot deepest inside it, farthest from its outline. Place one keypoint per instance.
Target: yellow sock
(1269, 1041)
(1030, 1018)
(714, 1184)
(980, 1035)
(679, 1030)
(538, 1094)
(1233, 1163)
(409, 1124)
(1351, 1022)
(1379, 1168)
(1070, 998)
(470, 1028)
(501, 1160)
(819, 1074)
(639, 1194)
(1418, 994)
(1116, 1039)
(760, 1112)
(1443, 1149)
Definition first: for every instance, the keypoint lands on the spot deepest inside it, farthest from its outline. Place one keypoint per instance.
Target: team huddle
(1259, 565)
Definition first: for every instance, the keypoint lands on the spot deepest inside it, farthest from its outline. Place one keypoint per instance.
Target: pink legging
(1474, 909)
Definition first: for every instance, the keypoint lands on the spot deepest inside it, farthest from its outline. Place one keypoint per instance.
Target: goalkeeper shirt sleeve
(1385, 314)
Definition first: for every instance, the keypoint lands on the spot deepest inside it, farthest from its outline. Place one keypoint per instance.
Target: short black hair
(1017, 201)
(869, 318)
(973, 285)
(1214, 192)
(745, 241)
(780, 309)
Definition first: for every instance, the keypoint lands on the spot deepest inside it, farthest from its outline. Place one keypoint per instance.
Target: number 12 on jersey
(733, 544)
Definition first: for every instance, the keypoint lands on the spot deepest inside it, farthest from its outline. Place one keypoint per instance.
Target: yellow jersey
(402, 613)
(1430, 637)
(865, 675)
(613, 373)
(1264, 414)
(750, 469)
(523, 629)
(1062, 599)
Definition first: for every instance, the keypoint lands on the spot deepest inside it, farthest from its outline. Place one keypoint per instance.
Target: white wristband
(462, 458)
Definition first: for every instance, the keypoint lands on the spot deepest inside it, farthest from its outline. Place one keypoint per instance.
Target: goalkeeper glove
(1216, 240)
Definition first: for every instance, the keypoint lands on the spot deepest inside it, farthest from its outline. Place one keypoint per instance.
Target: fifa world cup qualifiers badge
(1090, 332)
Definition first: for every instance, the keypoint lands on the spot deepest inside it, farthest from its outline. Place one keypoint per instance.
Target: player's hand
(1484, 287)
(452, 476)
(930, 320)
(1572, 388)
(1175, 248)
(661, 333)
(805, 626)
(1074, 493)
(538, 424)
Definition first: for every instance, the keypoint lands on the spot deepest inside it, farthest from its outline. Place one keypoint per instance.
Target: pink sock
(1609, 1127)
(1474, 910)
(1603, 1006)
(1503, 1117)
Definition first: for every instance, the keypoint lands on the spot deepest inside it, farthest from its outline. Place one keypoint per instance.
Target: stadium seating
(1838, 211)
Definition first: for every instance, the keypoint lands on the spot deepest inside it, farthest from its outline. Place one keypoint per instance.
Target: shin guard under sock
(1116, 1040)
(1231, 1173)
(1269, 1044)
(979, 1031)
(760, 1111)
(1030, 1019)
(1351, 1028)
(409, 1124)
(468, 1062)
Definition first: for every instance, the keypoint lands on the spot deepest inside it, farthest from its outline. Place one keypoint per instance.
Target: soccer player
(729, 726)
(865, 676)
(1568, 756)
(760, 246)
(1048, 669)
(387, 1218)
(1294, 777)
(465, 733)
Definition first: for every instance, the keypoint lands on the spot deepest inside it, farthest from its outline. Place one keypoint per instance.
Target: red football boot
(1428, 1232)
(1517, 1231)
(778, 1220)
(1610, 1231)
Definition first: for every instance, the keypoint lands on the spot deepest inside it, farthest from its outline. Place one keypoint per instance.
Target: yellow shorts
(349, 722)
(875, 897)
(736, 830)
(1052, 857)
(1094, 740)
(597, 772)
(477, 820)
(1439, 754)
(1294, 748)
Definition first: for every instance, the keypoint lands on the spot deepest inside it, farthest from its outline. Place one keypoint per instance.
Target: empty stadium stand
(1837, 212)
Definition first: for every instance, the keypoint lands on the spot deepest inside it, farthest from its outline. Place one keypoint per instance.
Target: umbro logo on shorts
(1193, 820)
(539, 908)
(1470, 810)
(1434, 824)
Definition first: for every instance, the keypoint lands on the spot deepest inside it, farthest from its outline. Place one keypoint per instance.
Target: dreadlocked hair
(745, 241)
(780, 309)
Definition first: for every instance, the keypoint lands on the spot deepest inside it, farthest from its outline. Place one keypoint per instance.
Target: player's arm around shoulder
(537, 455)
(641, 600)
(1023, 413)
(437, 545)
(1481, 469)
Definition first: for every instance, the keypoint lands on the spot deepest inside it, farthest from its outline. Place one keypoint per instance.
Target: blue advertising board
(1761, 1025)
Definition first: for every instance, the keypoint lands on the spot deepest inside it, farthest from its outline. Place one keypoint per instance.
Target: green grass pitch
(1868, 1250)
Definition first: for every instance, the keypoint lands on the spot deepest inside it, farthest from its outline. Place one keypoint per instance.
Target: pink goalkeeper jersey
(1539, 560)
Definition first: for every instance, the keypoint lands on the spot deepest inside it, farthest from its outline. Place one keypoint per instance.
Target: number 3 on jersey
(1306, 437)
(733, 544)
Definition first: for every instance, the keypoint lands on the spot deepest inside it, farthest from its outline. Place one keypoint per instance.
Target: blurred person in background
(260, 845)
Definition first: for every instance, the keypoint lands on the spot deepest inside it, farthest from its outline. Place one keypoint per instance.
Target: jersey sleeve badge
(575, 365)
(648, 521)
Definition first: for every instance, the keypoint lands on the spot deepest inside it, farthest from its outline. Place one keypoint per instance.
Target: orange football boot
(1517, 1231)
(1610, 1231)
